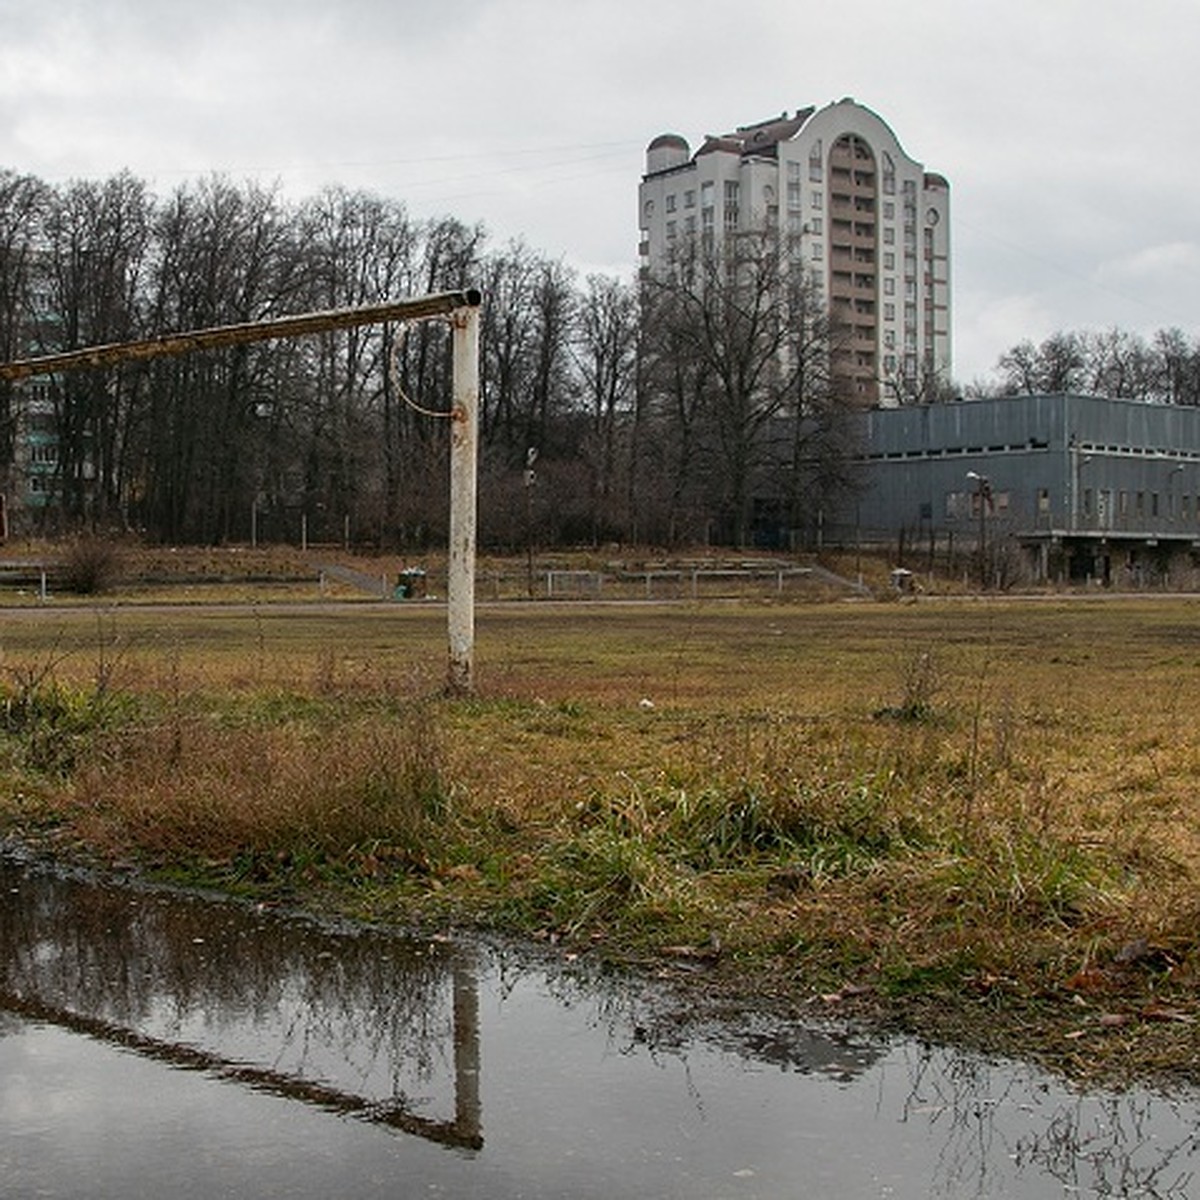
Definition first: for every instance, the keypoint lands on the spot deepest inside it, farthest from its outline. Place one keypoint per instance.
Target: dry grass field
(976, 817)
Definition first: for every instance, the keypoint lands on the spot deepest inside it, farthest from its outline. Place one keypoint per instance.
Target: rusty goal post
(462, 310)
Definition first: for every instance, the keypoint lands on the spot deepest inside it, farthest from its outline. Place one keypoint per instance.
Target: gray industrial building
(1053, 486)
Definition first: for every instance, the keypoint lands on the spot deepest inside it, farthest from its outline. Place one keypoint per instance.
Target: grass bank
(976, 819)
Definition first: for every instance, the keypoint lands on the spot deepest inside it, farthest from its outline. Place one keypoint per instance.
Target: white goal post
(462, 308)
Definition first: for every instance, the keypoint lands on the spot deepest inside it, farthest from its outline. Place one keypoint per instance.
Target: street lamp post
(531, 457)
(983, 496)
(1177, 469)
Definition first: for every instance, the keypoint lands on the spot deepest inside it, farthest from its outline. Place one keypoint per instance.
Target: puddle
(153, 1043)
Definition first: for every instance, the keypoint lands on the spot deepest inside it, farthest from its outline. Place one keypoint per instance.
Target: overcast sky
(1067, 128)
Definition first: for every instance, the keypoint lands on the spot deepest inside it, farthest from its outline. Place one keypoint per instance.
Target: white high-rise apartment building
(871, 224)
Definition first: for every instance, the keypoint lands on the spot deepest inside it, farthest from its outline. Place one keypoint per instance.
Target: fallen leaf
(1087, 979)
(1160, 1012)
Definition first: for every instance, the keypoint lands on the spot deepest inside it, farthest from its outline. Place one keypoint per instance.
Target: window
(817, 250)
(731, 203)
(889, 260)
(817, 200)
(793, 195)
(671, 202)
(889, 286)
(889, 236)
(816, 225)
(706, 194)
(689, 198)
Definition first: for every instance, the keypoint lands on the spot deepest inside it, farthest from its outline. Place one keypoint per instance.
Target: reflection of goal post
(463, 310)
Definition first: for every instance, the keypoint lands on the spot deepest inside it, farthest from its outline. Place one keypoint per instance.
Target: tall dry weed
(195, 788)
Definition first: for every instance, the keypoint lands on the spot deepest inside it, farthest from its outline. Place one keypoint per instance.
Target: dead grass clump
(258, 799)
(91, 565)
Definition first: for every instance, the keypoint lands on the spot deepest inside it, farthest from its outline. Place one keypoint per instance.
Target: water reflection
(586, 1086)
(350, 1019)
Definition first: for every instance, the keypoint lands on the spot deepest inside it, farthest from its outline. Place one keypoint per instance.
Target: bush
(90, 565)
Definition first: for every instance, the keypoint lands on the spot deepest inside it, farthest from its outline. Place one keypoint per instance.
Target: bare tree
(96, 237)
(605, 352)
(358, 250)
(668, 441)
(22, 205)
(825, 427)
(740, 333)
(508, 279)
(1115, 363)
(224, 254)
(1176, 367)
(1057, 365)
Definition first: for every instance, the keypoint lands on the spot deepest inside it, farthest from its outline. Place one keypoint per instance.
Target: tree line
(1118, 364)
(700, 407)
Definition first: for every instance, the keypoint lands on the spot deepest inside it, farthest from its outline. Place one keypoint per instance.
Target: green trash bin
(410, 584)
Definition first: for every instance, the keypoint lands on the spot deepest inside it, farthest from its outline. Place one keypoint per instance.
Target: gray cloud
(1062, 127)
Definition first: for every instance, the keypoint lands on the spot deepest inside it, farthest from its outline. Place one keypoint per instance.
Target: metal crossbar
(219, 336)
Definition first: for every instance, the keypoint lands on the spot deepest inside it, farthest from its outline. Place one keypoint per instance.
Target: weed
(90, 565)
(922, 681)
(49, 725)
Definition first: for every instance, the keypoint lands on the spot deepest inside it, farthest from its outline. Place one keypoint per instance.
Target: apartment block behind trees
(868, 224)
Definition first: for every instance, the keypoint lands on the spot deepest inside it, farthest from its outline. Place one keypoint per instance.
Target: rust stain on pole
(464, 451)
